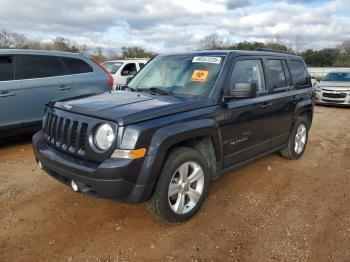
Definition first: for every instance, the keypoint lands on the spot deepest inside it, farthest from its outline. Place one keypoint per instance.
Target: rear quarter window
(77, 66)
(7, 69)
(300, 75)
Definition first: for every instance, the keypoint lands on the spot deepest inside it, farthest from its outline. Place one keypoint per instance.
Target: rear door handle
(265, 105)
(62, 88)
(7, 94)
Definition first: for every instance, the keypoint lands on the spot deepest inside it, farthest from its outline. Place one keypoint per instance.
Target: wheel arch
(202, 135)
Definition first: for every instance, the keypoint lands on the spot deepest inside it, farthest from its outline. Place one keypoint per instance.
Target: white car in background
(122, 70)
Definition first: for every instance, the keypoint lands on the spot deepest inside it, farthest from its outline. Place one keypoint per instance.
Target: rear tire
(182, 186)
(298, 139)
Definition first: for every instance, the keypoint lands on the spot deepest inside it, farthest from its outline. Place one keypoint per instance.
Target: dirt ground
(270, 210)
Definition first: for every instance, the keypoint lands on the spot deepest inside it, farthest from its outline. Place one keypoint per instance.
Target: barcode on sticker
(207, 59)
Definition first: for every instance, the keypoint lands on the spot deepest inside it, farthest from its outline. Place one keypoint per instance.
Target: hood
(334, 85)
(130, 107)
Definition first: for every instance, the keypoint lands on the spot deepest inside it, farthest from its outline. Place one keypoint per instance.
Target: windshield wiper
(155, 90)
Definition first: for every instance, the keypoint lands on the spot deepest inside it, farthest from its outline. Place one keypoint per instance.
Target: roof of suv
(36, 52)
(237, 52)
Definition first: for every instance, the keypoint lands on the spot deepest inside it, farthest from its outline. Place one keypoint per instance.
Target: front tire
(182, 186)
(298, 139)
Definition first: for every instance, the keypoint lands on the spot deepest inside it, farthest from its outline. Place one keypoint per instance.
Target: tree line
(335, 57)
(19, 41)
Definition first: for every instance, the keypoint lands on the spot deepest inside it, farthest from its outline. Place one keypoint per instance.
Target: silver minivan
(30, 79)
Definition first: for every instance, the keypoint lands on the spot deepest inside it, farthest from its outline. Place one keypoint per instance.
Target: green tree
(135, 52)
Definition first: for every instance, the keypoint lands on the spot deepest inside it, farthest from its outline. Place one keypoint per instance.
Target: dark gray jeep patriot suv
(183, 121)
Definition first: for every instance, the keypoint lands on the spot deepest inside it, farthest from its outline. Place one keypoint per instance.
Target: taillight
(110, 77)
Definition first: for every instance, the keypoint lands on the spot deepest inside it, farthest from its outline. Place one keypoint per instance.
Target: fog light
(40, 165)
(74, 186)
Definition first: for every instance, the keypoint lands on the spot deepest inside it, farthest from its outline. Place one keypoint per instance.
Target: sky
(179, 25)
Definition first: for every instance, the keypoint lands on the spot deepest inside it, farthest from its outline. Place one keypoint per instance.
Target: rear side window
(278, 77)
(141, 65)
(299, 73)
(76, 66)
(7, 68)
(30, 66)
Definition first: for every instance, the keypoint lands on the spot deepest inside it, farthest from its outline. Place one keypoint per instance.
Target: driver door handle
(265, 105)
(62, 88)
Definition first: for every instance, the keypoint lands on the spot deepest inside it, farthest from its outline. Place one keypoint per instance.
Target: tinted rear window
(30, 66)
(7, 70)
(299, 73)
(76, 66)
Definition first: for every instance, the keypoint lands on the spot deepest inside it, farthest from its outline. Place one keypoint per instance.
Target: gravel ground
(270, 210)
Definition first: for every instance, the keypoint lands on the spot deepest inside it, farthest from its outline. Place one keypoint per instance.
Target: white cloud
(167, 25)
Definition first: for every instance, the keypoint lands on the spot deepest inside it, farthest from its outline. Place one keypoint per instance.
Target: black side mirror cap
(243, 90)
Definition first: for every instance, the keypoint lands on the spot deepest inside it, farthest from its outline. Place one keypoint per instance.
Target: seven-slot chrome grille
(65, 134)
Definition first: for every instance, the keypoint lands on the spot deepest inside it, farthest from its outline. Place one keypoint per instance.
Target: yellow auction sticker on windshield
(199, 75)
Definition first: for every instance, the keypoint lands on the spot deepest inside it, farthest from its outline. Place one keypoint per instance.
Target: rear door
(283, 99)
(88, 76)
(44, 78)
(10, 116)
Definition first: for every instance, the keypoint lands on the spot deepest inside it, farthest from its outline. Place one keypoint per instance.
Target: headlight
(104, 137)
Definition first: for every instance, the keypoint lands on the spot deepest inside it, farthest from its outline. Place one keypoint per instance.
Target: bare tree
(6, 40)
(212, 42)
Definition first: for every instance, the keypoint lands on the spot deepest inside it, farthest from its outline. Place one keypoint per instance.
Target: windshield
(112, 67)
(179, 75)
(338, 77)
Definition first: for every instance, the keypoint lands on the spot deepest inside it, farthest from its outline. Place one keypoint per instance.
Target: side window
(249, 71)
(7, 69)
(129, 69)
(278, 78)
(141, 65)
(299, 73)
(38, 66)
(76, 66)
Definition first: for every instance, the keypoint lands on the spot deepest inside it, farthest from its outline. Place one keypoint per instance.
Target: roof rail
(275, 51)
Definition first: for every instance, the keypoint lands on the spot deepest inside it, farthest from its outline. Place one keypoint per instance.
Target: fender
(303, 106)
(168, 136)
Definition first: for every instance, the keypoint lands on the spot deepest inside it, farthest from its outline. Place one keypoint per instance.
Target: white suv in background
(121, 70)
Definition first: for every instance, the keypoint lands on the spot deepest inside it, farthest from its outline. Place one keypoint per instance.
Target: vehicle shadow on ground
(15, 141)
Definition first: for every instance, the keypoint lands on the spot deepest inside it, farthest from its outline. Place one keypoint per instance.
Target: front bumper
(113, 178)
(330, 97)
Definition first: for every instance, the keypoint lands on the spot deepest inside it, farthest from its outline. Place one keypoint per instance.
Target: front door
(246, 130)
(129, 70)
(10, 116)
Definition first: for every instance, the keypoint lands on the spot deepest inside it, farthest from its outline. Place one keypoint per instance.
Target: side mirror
(243, 90)
(125, 73)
